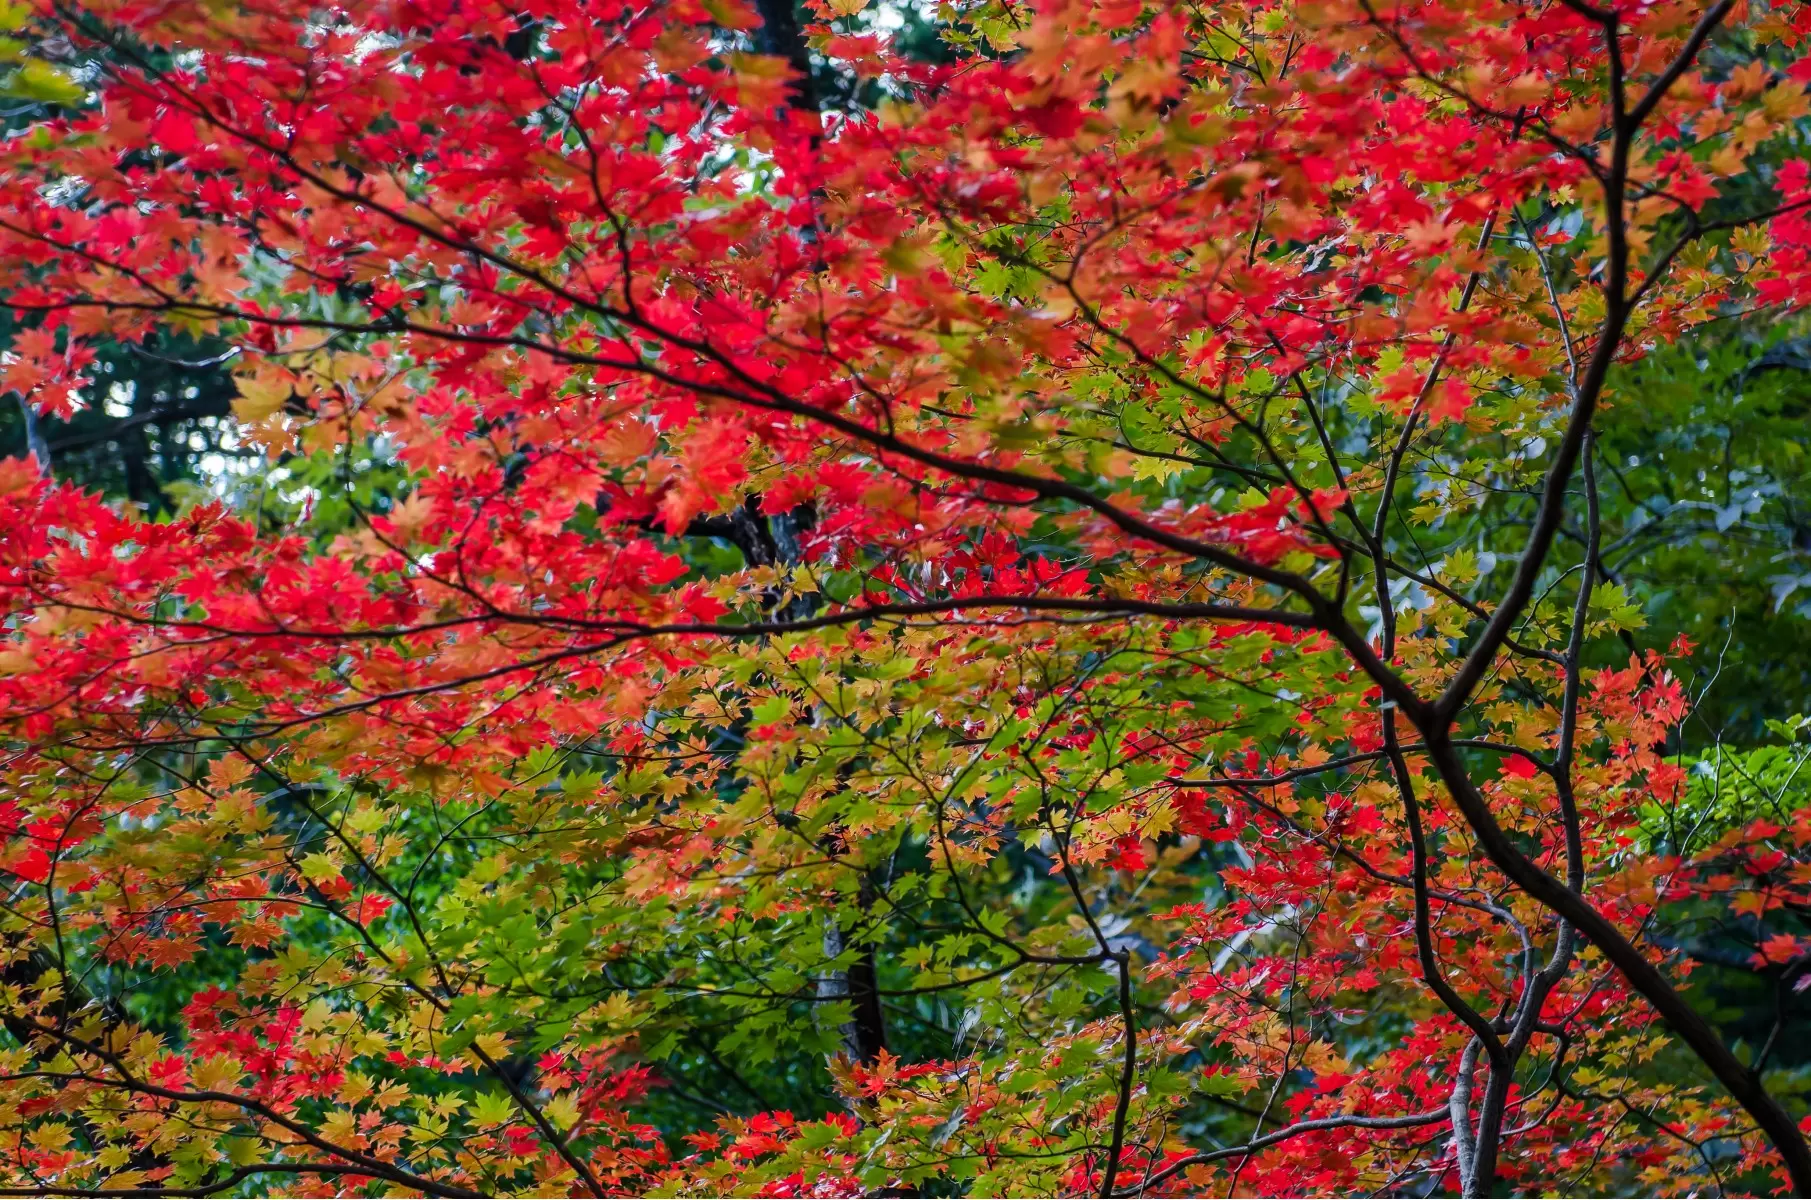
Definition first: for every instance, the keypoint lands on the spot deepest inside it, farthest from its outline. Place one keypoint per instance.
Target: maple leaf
(1448, 401)
(1780, 948)
(1428, 236)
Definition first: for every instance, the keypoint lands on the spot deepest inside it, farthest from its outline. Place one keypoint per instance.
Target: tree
(154, 424)
(1029, 621)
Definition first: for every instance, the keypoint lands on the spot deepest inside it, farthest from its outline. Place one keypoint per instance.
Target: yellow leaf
(1159, 820)
(562, 1110)
(1323, 1059)
(393, 1095)
(355, 1088)
(1727, 160)
(259, 399)
(318, 868)
(54, 1135)
(617, 1010)
(216, 1072)
(340, 1127)
(1785, 101)
(493, 1045)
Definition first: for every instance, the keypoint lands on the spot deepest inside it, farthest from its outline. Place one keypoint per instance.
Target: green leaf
(318, 868)
(39, 80)
(492, 1108)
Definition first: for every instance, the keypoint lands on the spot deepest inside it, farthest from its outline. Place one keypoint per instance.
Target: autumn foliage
(962, 535)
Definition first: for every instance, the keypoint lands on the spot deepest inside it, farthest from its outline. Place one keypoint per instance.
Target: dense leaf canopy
(692, 597)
